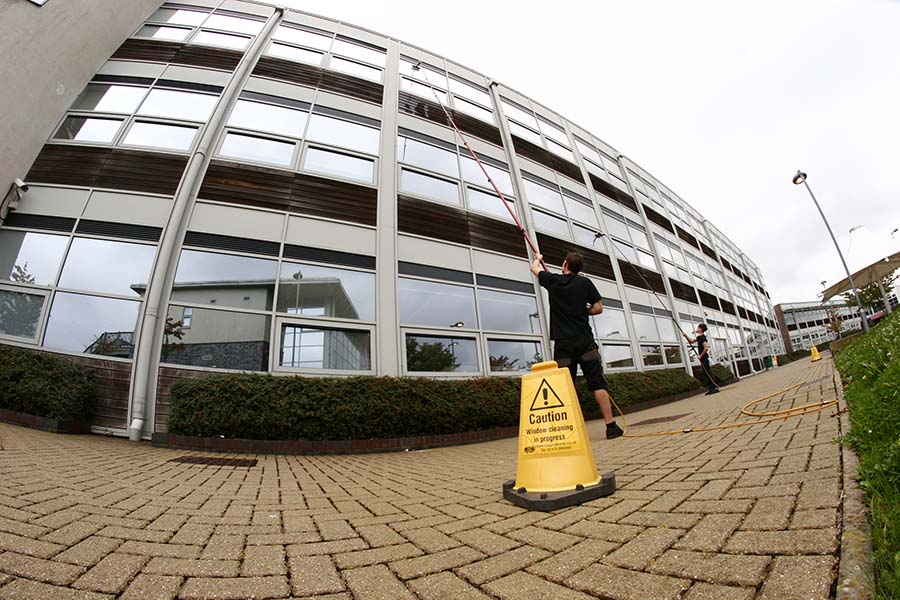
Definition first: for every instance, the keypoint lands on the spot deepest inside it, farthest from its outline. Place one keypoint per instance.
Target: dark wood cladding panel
(168, 376)
(595, 263)
(658, 218)
(612, 192)
(204, 56)
(687, 237)
(545, 157)
(420, 217)
(490, 234)
(133, 170)
(142, 171)
(432, 111)
(316, 77)
(683, 291)
(743, 367)
(708, 251)
(334, 199)
(152, 50)
(293, 192)
(68, 165)
(726, 264)
(708, 300)
(249, 185)
(640, 277)
(727, 307)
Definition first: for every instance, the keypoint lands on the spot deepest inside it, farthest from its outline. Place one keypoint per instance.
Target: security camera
(20, 185)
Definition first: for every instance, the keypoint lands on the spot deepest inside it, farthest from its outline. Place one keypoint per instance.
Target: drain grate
(220, 462)
(661, 419)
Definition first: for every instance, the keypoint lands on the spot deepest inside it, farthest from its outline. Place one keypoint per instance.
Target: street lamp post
(799, 178)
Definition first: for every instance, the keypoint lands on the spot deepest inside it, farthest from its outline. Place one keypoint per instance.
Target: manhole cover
(220, 462)
(661, 419)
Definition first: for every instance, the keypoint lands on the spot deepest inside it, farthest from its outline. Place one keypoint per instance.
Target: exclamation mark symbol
(545, 396)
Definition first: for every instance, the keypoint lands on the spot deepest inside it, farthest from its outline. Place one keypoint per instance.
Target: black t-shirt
(570, 296)
(701, 341)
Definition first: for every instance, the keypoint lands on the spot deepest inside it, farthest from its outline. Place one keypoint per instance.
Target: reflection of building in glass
(805, 324)
(335, 225)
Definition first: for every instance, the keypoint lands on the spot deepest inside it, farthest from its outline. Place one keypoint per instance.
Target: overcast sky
(721, 101)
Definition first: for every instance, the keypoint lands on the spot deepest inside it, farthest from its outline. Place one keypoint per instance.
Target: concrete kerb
(855, 573)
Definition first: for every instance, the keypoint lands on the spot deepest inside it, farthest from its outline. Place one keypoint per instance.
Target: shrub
(266, 407)
(721, 374)
(45, 385)
(870, 366)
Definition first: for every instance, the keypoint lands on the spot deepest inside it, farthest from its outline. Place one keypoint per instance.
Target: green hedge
(45, 385)
(721, 374)
(870, 367)
(265, 407)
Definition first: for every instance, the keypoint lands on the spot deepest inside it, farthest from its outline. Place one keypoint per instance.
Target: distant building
(806, 324)
(288, 188)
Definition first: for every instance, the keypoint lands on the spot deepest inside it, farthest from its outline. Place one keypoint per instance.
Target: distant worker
(572, 299)
(703, 355)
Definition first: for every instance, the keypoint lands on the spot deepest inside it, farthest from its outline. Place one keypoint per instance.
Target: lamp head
(799, 178)
(458, 324)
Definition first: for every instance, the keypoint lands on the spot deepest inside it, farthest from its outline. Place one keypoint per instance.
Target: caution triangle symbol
(546, 398)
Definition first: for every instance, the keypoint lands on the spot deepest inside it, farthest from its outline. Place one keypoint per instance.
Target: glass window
(20, 313)
(217, 339)
(513, 357)
(581, 212)
(472, 93)
(644, 326)
(337, 132)
(172, 34)
(553, 132)
(550, 224)
(586, 237)
(617, 356)
(224, 279)
(186, 316)
(560, 150)
(501, 311)
(425, 353)
(639, 238)
(88, 129)
(342, 165)
(296, 54)
(330, 291)
(235, 24)
(490, 204)
(436, 304)
(178, 105)
(651, 355)
(616, 227)
(426, 91)
(472, 173)
(90, 324)
(306, 347)
(671, 271)
(525, 133)
(178, 16)
(303, 38)
(369, 55)
(473, 109)
(355, 68)
(624, 251)
(257, 149)
(430, 187)
(646, 260)
(588, 152)
(429, 157)
(107, 267)
(268, 117)
(157, 135)
(545, 197)
(523, 116)
(31, 257)
(110, 98)
(222, 40)
(611, 324)
(666, 329)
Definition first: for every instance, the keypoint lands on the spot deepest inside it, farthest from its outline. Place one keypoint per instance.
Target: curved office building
(241, 188)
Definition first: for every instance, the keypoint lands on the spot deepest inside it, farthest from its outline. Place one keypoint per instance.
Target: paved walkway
(738, 514)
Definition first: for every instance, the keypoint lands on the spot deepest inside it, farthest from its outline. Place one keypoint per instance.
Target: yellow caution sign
(556, 467)
(815, 354)
(774, 360)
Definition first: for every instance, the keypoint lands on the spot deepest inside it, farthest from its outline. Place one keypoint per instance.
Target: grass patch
(870, 369)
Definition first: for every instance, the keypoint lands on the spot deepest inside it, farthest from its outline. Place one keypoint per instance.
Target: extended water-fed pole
(416, 67)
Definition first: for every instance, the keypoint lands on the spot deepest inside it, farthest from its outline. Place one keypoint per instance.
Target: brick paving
(748, 513)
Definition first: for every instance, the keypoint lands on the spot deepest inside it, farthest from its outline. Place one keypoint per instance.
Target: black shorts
(581, 351)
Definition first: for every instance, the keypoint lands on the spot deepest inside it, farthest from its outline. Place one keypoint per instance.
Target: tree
(20, 312)
(870, 295)
(834, 321)
(174, 329)
(503, 363)
(426, 357)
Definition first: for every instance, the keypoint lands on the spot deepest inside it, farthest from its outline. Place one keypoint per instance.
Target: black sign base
(547, 501)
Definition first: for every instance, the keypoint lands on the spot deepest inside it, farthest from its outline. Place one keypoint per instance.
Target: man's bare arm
(536, 267)
(596, 308)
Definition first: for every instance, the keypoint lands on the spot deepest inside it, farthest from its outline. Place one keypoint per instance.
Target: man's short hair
(702, 327)
(575, 261)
